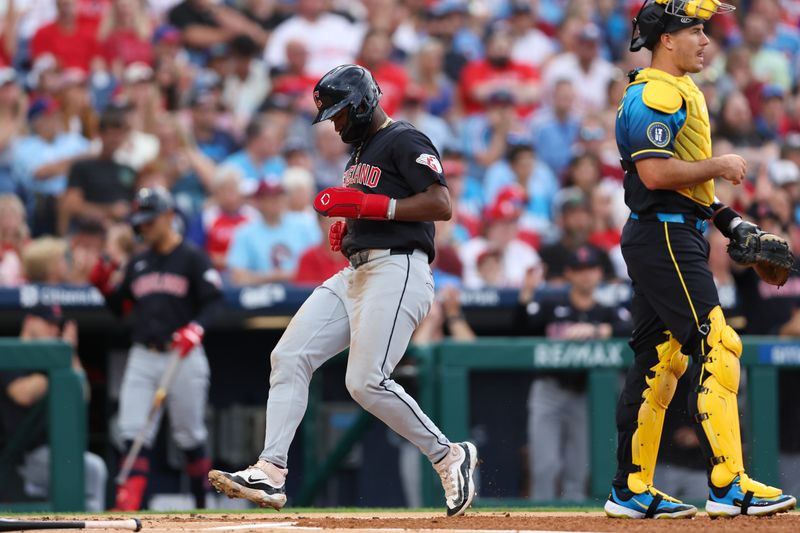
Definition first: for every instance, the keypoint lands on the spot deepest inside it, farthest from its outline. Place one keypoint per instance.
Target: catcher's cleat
(263, 484)
(456, 471)
(624, 503)
(739, 498)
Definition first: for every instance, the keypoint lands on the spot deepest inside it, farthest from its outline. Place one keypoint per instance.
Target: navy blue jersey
(643, 132)
(398, 161)
(167, 292)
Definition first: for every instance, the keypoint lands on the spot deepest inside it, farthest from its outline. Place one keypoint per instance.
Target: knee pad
(717, 409)
(661, 381)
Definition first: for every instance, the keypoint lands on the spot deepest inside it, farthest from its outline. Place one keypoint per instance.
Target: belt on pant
(157, 346)
(678, 218)
(365, 256)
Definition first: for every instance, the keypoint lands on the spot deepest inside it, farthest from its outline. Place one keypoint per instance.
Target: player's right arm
(673, 174)
(650, 133)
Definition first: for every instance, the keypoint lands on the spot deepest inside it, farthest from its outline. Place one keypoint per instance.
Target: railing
(66, 420)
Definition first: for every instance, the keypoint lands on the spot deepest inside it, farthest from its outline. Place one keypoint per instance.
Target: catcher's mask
(665, 16)
(351, 87)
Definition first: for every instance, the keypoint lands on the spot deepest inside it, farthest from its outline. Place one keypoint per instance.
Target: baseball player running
(663, 135)
(172, 292)
(393, 190)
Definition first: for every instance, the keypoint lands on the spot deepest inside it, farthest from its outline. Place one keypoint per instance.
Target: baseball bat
(130, 524)
(155, 407)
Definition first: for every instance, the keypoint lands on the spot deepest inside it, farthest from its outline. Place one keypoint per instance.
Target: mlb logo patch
(431, 162)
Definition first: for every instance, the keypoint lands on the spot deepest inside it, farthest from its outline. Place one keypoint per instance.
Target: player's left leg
(718, 348)
(186, 403)
(400, 289)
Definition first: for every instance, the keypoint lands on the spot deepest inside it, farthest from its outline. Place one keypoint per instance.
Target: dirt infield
(497, 522)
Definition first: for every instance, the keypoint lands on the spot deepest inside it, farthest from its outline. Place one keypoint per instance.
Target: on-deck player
(393, 191)
(172, 292)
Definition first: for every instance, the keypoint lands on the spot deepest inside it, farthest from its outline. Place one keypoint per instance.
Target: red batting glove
(336, 234)
(187, 338)
(351, 203)
(100, 276)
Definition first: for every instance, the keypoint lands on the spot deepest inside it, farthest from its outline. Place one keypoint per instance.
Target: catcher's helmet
(352, 87)
(664, 16)
(149, 203)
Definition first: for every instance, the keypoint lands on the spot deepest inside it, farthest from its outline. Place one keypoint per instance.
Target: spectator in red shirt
(391, 77)
(224, 214)
(320, 262)
(70, 38)
(498, 72)
(124, 35)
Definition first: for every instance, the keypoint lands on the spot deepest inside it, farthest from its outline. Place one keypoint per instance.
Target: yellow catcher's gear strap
(650, 421)
(693, 141)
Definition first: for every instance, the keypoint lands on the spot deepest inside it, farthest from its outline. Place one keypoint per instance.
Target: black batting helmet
(665, 16)
(351, 87)
(148, 203)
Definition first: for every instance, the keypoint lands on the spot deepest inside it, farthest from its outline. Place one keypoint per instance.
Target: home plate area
(485, 522)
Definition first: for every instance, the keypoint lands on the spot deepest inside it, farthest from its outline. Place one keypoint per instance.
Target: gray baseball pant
(374, 309)
(186, 399)
(35, 471)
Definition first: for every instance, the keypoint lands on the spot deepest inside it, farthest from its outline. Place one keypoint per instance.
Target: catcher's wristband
(725, 220)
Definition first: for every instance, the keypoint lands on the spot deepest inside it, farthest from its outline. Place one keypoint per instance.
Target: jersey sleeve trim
(662, 153)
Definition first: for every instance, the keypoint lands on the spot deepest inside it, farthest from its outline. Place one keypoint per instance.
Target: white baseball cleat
(456, 471)
(262, 483)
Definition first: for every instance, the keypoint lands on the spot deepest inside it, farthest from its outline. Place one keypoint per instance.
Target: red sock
(130, 494)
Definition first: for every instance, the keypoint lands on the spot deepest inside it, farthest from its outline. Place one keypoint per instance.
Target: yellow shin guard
(650, 419)
(718, 412)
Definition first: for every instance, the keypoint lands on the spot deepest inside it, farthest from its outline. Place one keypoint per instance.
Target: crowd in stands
(213, 100)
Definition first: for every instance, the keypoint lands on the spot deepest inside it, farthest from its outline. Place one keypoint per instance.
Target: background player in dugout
(663, 135)
(172, 293)
(393, 190)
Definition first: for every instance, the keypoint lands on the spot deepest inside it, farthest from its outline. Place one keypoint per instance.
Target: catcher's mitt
(768, 254)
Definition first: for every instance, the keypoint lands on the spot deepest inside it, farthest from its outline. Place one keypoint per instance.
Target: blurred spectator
(267, 249)
(583, 173)
(12, 119)
(298, 183)
(485, 136)
(736, 122)
(482, 78)
(466, 195)
(330, 156)
(86, 243)
(447, 267)
(261, 158)
(605, 205)
(265, 13)
(319, 262)
(76, 104)
(447, 21)
(220, 218)
(187, 170)
(555, 128)
(9, 34)
(293, 79)
(558, 440)
(246, 85)
(212, 141)
(772, 123)
(522, 167)
(139, 147)
(205, 23)
(530, 44)
(13, 237)
(376, 49)
(141, 93)
(44, 260)
(100, 188)
(44, 77)
(585, 68)
(70, 38)
(42, 159)
(124, 35)
(575, 224)
(769, 65)
(414, 111)
(594, 140)
(330, 38)
(444, 320)
(428, 74)
(514, 256)
(22, 403)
